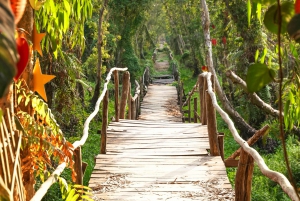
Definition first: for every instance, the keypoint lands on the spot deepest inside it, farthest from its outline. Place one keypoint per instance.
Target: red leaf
(23, 50)
(18, 7)
(224, 40)
(297, 6)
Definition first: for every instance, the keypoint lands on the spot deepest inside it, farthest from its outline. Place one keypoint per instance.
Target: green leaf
(294, 50)
(258, 12)
(20, 99)
(271, 19)
(71, 194)
(293, 28)
(66, 22)
(87, 198)
(265, 2)
(27, 100)
(249, 11)
(262, 60)
(258, 76)
(67, 7)
(256, 55)
(291, 98)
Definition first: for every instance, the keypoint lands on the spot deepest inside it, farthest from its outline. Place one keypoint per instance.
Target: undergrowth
(262, 187)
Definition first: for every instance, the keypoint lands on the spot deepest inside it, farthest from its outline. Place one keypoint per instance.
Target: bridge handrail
(190, 94)
(137, 91)
(273, 175)
(53, 177)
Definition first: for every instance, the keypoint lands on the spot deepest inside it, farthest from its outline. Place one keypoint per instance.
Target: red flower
(214, 41)
(224, 40)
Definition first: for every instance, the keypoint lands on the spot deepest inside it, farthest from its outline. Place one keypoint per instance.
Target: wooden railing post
(221, 144)
(78, 165)
(116, 78)
(189, 110)
(125, 90)
(140, 96)
(142, 86)
(133, 109)
(195, 110)
(243, 178)
(129, 101)
(180, 86)
(104, 124)
(212, 123)
(202, 89)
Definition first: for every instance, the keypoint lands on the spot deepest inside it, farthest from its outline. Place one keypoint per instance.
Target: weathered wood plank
(158, 157)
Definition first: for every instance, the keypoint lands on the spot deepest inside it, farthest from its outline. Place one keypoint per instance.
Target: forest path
(162, 74)
(158, 157)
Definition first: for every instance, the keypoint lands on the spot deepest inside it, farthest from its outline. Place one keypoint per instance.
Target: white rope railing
(273, 175)
(137, 91)
(53, 178)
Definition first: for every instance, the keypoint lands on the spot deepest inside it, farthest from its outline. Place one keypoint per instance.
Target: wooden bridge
(158, 157)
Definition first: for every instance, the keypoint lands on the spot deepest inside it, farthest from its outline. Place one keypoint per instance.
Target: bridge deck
(158, 158)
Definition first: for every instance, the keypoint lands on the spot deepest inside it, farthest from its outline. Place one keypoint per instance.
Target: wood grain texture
(158, 158)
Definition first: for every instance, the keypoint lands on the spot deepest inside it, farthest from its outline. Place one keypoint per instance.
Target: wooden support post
(212, 124)
(142, 86)
(125, 90)
(180, 96)
(104, 124)
(138, 102)
(243, 178)
(261, 132)
(129, 101)
(195, 110)
(78, 166)
(189, 110)
(138, 107)
(116, 77)
(202, 92)
(221, 144)
(133, 109)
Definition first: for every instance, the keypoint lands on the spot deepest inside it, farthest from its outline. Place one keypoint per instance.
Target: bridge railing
(40, 193)
(248, 155)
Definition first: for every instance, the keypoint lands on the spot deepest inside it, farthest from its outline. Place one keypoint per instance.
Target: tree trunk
(26, 23)
(245, 129)
(99, 45)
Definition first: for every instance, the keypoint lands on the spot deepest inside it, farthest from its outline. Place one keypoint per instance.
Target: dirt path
(162, 62)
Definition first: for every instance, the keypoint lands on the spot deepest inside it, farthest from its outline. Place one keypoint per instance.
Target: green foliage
(43, 144)
(262, 187)
(271, 17)
(293, 28)
(64, 23)
(258, 76)
(291, 107)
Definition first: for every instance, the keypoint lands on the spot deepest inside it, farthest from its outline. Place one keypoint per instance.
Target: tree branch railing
(78, 144)
(248, 155)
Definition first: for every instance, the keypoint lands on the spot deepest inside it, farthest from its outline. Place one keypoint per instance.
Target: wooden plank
(158, 158)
